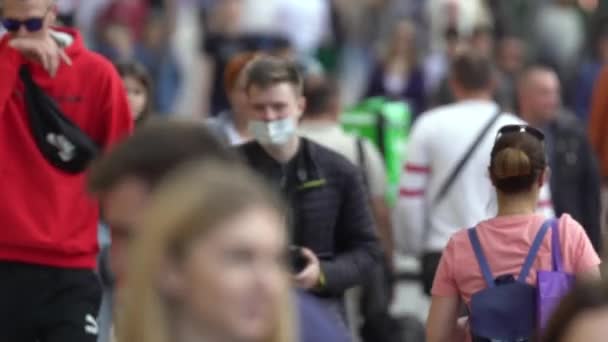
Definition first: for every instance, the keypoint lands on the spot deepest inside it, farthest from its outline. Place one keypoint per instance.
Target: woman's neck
(397, 64)
(509, 205)
(188, 331)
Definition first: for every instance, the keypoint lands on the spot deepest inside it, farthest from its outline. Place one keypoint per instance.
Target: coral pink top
(506, 241)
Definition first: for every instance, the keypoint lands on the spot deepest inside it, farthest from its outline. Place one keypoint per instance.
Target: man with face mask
(125, 178)
(328, 213)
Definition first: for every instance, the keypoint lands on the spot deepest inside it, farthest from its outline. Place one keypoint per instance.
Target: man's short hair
(472, 71)
(533, 69)
(321, 94)
(153, 151)
(267, 71)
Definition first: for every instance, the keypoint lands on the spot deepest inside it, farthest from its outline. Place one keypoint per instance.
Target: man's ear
(490, 176)
(453, 86)
(172, 282)
(301, 106)
(53, 13)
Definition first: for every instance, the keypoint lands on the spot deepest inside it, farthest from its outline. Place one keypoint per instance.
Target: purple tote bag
(555, 284)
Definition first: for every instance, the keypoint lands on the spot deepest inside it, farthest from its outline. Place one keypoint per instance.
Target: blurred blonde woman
(210, 267)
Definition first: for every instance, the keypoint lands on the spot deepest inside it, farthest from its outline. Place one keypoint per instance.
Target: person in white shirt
(428, 211)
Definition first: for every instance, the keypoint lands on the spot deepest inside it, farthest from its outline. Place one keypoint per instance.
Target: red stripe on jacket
(412, 168)
(411, 193)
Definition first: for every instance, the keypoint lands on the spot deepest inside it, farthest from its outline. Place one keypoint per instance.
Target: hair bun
(511, 162)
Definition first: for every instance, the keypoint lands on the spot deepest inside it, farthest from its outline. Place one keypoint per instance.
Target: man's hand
(309, 277)
(46, 51)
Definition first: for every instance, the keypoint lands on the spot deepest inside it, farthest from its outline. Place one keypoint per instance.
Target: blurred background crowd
(400, 50)
(395, 48)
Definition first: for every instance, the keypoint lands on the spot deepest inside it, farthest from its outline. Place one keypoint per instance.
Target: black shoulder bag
(62, 143)
(362, 161)
(430, 259)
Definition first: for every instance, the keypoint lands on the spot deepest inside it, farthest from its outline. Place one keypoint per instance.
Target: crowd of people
(180, 171)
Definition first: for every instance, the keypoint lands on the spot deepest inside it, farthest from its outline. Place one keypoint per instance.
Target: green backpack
(387, 124)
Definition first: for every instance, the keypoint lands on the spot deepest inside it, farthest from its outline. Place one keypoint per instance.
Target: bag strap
(556, 247)
(362, 161)
(465, 158)
(26, 78)
(538, 240)
(481, 258)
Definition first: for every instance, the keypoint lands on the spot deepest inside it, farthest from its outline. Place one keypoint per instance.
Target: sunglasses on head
(30, 24)
(521, 129)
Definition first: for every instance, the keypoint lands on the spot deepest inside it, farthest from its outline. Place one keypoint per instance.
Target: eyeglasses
(31, 24)
(521, 129)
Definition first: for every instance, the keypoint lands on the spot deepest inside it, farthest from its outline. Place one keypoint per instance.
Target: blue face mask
(277, 132)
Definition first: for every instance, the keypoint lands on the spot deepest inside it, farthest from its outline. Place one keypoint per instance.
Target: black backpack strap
(362, 161)
(465, 158)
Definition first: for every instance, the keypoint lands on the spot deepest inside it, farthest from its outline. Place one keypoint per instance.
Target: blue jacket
(316, 323)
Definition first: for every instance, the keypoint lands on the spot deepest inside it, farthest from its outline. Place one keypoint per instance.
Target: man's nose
(269, 115)
(22, 31)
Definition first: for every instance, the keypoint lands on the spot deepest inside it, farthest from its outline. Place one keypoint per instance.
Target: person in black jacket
(125, 178)
(575, 179)
(329, 217)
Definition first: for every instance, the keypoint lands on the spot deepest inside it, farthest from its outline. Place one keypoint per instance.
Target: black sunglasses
(521, 129)
(31, 24)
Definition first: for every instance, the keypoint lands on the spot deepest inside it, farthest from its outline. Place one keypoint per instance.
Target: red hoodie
(46, 215)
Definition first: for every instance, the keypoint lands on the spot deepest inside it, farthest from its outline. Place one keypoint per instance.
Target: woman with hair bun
(517, 170)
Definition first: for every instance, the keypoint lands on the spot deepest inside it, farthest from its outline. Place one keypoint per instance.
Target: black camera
(297, 260)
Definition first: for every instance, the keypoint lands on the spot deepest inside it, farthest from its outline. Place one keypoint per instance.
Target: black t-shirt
(221, 48)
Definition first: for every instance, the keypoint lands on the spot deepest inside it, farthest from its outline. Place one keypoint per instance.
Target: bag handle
(538, 240)
(465, 158)
(362, 161)
(556, 247)
(481, 258)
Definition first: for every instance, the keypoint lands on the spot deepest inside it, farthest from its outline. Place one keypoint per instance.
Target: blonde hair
(517, 161)
(193, 200)
(511, 162)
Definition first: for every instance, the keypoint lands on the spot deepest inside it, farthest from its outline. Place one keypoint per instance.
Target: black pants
(429, 264)
(376, 297)
(48, 304)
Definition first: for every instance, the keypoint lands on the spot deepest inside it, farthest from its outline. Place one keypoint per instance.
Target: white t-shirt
(333, 137)
(439, 139)
(304, 22)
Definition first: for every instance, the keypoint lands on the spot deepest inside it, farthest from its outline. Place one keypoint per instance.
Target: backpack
(507, 310)
(386, 124)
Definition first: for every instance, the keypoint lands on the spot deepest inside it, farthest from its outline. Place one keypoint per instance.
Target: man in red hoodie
(48, 223)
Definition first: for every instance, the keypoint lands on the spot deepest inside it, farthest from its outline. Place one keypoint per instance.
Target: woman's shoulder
(569, 227)
(458, 239)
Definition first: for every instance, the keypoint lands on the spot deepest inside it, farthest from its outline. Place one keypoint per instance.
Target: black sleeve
(357, 247)
(591, 195)
(211, 45)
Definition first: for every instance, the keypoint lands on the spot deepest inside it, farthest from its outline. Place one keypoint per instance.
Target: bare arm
(441, 325)
(590, 275)
(206, 72)
(381, 213)
(170, 17)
